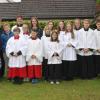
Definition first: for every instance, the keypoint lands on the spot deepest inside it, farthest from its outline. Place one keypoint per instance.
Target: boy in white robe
(34, 57)
(77, 27)
(16, 51)
(97, 51)
(45, 39)
(86, 45)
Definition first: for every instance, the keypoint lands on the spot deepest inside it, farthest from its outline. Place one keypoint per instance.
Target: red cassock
(35, 71)
(17, 72)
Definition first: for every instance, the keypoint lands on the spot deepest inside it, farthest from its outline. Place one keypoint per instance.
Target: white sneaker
(51, 82)
(57, 82)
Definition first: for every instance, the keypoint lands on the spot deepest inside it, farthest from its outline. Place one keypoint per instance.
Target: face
(69, 27)
(61, 25)
(16, 33)
(50, 25)
(6, 28)
(25, 28)
(86, 24)
(54, 36)
(19, 20)
(34, 23)
(77, 23)
(98, 25)
(33, 34)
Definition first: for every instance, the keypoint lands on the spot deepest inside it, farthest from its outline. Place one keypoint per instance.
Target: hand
(69, 45)
(33, 56)
(15, 54)
(98, 50)
(86, 50)
(55, 54)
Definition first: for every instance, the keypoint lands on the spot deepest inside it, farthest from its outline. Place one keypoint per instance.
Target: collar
(86, 29)
(19, 25)
(16, 37)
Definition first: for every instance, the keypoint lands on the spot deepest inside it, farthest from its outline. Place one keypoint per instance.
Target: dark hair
(58, 28)
(16, 30)
(36, 21)
(54, 32)
(72, 32)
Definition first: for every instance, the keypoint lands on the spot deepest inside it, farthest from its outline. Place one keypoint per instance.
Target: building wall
(49, 9)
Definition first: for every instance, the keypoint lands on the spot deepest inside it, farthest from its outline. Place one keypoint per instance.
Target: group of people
(70, 50)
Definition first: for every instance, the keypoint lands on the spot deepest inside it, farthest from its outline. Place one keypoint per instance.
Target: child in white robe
(16, 52)
(45, 39)
(97, 51)
(34, 57)
(69, 42)
(86, 45)
(54, 58)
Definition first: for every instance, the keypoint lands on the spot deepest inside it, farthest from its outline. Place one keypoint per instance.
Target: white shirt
(45, 41)
(52, 48)
(69, 53)
(97, 38)
(34, 48)
(15, 45)
(86, 39)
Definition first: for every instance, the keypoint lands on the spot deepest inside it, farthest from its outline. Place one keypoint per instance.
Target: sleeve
(59, 50)
(23, 47)
(50, 51)
(63, 43)
(74, 42)
(9, 48)
(39, 52)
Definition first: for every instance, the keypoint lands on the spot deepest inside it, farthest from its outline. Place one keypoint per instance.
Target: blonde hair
(72, 32)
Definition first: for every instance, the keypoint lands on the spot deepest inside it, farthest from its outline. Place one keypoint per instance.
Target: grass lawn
(70, 90)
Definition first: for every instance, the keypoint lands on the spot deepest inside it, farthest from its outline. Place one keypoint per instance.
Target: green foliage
(98, 1)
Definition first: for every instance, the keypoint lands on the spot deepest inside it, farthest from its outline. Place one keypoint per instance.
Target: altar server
(34, 57)
(86, 45)
(97, 51)
(69, 42)
(16, 51)
(54, 58)
(45, 39)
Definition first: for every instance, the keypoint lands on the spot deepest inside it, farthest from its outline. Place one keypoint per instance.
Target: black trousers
(54, 72)
(77, 69)
(45, 69)
(2, 64)
(97, 64)
(68, 69)
(87, 67)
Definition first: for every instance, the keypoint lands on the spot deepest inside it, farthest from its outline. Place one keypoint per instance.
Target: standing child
(86, 45)
(45, 39)
(69, 54)
(97, 51)
(54, 58)
(34, 57)
(16, 51)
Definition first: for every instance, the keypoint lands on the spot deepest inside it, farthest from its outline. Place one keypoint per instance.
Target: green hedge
(42, 23)
(98, 1)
